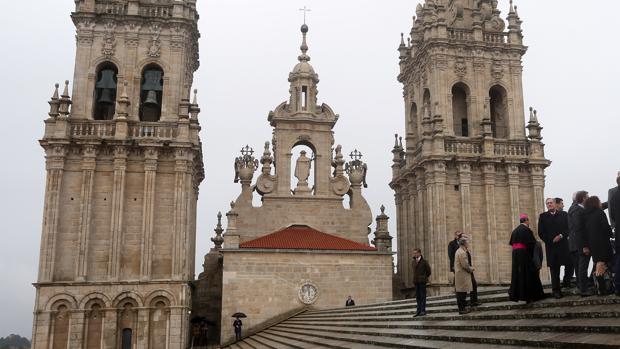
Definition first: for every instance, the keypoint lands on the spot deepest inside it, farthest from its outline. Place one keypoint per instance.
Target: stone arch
(499, 111)
(413, 119)
(97, 62)
(59, 298)
(158, 295)
(461, 95)
(151, 92)
(122, 297)
(88, 300)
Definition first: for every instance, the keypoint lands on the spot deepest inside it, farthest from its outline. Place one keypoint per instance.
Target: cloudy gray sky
(247, 49)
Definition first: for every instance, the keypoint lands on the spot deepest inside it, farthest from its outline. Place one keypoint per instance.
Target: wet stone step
(552, 339)
(251, 341)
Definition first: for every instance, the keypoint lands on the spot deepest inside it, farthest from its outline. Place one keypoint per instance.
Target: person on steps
(421, 273)
(452, 247)
(462, 276)
(525, 282)
(553, 230)
(350, 302)
(599, 235)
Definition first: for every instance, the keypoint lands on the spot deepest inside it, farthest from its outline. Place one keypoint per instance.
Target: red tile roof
(302, 237)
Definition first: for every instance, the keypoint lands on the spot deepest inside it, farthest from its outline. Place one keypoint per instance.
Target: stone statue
(302, 168)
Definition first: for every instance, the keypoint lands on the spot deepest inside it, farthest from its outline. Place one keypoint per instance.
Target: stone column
(55, 163)
(400, 234)
(182, 186)
(464, 170)
(88, 179)
(489, 190)
(441, 263)
(148, 211)
(513, 181)
(404, 217)
(118, 200)
(421, 240)
(142, 328)
(431, 243)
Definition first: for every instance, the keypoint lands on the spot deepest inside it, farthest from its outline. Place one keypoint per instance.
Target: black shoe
(422, 314)
(463, 312)
(417, 314)
(475, 304)
(557, 295)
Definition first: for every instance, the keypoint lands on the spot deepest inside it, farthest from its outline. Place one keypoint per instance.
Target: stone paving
(571, 322)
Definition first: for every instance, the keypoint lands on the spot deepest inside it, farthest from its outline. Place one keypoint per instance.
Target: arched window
(499, 111)
(127, 323)
(413, 120)
(105, 92)
(460, 114)
(94, 320)
(151, 90)
(61, 327)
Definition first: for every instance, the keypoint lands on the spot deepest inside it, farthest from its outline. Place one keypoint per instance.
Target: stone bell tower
(123, 161)
(468, 163)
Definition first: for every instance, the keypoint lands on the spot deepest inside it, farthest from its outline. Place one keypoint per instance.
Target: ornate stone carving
(245, 165)
(460, 68)
(265, 183)
(108, 47)
(339, 183)
(308, 292)
(497, 70)
(357, 169)
(155, 48)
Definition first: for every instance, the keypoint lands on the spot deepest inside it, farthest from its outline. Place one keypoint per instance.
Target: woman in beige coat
(462, 276)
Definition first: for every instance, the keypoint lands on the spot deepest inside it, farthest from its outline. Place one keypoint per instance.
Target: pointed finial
(512, 8)
(219, 218)
(195, 100)
(516, 11)
(382, 209)
(396, 140)
(533, 116)
(218, 240)
(55, 95)
(400, 142)
(402, 39)
(65, 92)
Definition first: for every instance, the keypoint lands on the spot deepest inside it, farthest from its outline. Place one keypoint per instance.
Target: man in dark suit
(421, 273)
(614, 217)
(553, 230)
(578, 242)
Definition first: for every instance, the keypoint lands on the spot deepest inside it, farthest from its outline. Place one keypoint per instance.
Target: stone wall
(264, 284)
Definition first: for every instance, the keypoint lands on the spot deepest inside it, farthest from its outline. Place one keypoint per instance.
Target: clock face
(308, 293)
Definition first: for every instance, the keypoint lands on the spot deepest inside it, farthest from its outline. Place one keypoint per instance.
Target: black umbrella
(239, 315)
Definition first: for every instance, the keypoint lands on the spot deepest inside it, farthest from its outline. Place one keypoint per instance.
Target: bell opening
(105, 92)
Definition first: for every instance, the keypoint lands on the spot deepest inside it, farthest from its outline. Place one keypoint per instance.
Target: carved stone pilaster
(148, 211)
(182, 198)
(489, 190)
(464, 173)
(118, 199)
(88, 178)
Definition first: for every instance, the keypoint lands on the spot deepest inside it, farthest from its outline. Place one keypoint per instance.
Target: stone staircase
(571, 322)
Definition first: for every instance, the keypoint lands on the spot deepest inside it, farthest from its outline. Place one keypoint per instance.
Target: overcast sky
(247, 50)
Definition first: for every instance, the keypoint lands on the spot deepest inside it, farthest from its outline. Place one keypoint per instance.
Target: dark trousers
(461, 300)
(616, 271)
(555, 278)
(420, 297)
(582, 272)
(571, 269)
(238, 334)
(473, 295)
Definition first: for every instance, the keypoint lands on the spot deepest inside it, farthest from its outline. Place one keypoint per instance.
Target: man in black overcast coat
(553, 230)
(614, 215)
(579, 242)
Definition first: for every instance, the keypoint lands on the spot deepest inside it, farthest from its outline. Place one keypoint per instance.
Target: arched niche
(460, 109)
(498, 101)
(413, 119)
(303, 168)
(159, 322)
(426, 104)
(94, 324)
(60, 325)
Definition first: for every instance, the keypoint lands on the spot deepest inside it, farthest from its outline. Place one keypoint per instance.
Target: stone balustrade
(511, 148)
(155, 11)
(458, 146)
(496, 38)
(111, 7)
(84, 129)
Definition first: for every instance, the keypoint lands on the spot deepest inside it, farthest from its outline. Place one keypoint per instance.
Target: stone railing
(92, 129)
(111, 7)
(155, 11)
(495, 38)
(458, 146)
(511, 148)
(152, 130)
(460, 34)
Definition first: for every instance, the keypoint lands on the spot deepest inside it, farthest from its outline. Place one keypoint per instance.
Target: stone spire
(218, 240)
(54, 103)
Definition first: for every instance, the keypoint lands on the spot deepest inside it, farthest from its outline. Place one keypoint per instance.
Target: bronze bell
(107, 96)
(151, 98)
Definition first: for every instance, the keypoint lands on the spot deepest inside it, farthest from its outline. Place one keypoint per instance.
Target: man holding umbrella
(237, 324)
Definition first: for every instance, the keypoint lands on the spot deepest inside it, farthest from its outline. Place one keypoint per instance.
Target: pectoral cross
(306, 10)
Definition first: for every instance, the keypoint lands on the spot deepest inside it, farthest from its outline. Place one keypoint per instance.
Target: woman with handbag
(599, 234)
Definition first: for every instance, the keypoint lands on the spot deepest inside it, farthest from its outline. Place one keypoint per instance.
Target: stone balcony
(169, 9)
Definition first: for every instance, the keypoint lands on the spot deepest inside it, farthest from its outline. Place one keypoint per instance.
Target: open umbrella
(239, 315)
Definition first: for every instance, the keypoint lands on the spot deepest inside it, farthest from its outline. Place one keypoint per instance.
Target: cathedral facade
(467, 163)
(123, 162)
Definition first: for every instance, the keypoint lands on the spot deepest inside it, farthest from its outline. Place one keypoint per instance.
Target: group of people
(572, 239)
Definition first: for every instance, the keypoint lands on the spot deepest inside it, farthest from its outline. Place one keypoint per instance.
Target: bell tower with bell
(123, 162)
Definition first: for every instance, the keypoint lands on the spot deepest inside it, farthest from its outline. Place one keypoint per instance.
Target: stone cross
(306, 10)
